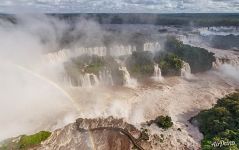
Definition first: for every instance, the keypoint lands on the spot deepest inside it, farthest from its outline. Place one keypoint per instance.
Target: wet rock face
(71, 138)
(110, 123)
(115, 134)
(100, 134)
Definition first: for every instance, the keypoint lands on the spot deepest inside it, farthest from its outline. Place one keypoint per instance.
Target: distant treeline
(185, 19)
(202, 20)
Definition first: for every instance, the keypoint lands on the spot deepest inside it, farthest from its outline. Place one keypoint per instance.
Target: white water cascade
(217, 63)
(67, 81)
(152, 46)
(157, 73)
(121, 50)
(115, 51)
(186, 71)
(222, 61)
(87, 80)
(99, 51)
(66, 54)
(59, 56)
(128, 81)
(105, 77)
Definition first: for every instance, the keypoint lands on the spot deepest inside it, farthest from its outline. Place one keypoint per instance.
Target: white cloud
(144, 6)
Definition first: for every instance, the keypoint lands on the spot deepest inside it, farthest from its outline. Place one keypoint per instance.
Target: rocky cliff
(100, 134)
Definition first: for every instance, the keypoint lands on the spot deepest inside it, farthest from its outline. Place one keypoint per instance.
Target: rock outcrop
(100, 134)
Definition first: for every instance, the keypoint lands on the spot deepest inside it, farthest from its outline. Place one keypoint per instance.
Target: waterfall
(66, 54)
(217, 63)
(128, 81)
(186, 70)
(67, 81)
(121, 50)
(157, 73)
(221, 61)
(152, 46)
(89, 80)
(106, 77)
(59, 56)
(95, 79)
(84, 80)
(115, 51)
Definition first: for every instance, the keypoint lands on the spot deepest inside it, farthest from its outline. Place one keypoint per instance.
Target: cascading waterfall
(128, 81)
(106, 77)
(186, 70)
(95, 79)
(84, 80)
(152, 46)
(59, 56)
(217, 63)
(68, 82)
(121, 50)
(115, 51)
(99, 51)
(157, 73)
(88, 80)
(66, 54)
(221, 61)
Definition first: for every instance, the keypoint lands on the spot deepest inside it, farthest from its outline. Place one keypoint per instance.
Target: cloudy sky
(115, 6)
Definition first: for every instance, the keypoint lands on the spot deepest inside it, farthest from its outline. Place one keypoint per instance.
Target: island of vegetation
(170, 60)
(164, 122)
(93, 64)
(220, 124)
(199, 59)
(141, 63)
(169, 63)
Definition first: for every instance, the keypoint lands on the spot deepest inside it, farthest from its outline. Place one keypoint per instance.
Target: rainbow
(52, 83)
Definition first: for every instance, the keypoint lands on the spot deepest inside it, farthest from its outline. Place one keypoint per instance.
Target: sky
(119, 6)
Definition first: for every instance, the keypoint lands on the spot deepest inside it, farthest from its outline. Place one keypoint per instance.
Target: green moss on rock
(25, 141)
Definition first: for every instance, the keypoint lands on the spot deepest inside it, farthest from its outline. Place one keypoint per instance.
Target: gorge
(128, 86)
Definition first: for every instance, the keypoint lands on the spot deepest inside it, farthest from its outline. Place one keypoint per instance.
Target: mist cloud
(230, 71)
(30, 98)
